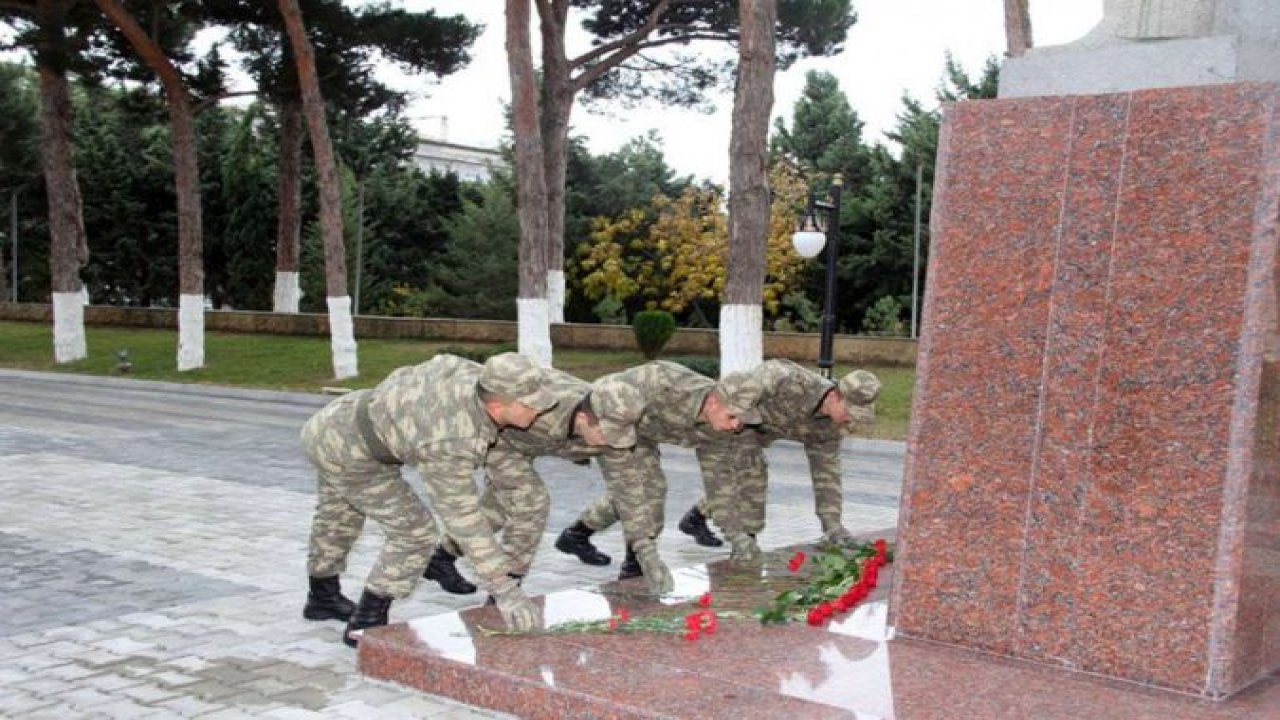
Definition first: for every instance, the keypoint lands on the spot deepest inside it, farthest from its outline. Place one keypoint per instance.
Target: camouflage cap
(741, 392)
(859, 388)
(619, 406)
(518, 378)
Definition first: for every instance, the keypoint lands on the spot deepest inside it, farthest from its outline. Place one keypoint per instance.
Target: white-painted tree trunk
(534, 330)
(68, 327)
(741, 338)
(555, 295)
(288, 292)
(342, 338)
(190, 332)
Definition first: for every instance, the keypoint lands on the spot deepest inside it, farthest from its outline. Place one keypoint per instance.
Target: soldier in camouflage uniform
(580, 426)
(440, 417)
(680, 407)
(795, 404)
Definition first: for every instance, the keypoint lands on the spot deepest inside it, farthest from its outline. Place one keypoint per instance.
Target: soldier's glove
(518, 611)
(836, 534)
(744, 547)
(655, 571)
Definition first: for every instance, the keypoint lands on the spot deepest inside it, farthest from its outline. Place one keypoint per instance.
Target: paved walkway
(154, 537)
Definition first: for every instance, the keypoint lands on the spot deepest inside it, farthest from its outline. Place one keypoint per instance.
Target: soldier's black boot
(576, 540)
(695, 523)
(443, 569)
(371, 612)
(630, 567)
(325, 601)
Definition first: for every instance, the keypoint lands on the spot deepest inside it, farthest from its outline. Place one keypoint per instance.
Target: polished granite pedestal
(847, 669)
(1093, 470)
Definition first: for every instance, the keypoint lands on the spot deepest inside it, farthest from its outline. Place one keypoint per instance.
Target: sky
(896, 47)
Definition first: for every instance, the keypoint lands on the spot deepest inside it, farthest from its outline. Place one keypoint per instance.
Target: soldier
(580, 426)
(441, 417)
(680, 407)
(795, 404)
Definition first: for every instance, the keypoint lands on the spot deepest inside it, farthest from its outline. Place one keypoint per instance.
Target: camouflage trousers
(517, 513)
(351, 486)
(736, 476)
(636, 493)
(637, 487)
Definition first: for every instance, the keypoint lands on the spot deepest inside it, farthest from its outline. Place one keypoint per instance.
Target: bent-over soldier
(579, 427)
(795, 404)
(680, 407)
(440, 417)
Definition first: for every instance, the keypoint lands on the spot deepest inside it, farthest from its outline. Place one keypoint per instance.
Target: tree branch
(215, 99)
(650, 24)
(593, 73)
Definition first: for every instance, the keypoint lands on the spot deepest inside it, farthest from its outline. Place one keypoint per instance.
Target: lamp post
(813, 235)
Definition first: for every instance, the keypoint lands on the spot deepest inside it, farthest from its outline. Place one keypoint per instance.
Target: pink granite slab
(847, 669)
(1093, 471)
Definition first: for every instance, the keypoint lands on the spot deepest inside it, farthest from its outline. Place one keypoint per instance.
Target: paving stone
(149, 694)
(82, 698)
(109, 682)
(189, 707)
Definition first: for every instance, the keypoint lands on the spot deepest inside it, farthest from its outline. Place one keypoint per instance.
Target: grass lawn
(303, 363)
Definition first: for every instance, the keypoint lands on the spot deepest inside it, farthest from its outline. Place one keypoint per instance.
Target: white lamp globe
(808, 243)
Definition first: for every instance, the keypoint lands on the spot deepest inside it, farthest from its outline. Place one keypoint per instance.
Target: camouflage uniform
(515, 500)
(429, 416)
(789, 398)
(637, 488)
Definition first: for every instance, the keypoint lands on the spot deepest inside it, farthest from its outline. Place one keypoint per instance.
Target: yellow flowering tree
(670, 255)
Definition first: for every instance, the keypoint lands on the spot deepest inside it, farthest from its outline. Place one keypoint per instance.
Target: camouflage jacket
(673, 399)
(550, 434)
(790, 398)
(431, 417)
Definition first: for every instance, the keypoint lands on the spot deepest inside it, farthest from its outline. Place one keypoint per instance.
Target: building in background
(436, 153)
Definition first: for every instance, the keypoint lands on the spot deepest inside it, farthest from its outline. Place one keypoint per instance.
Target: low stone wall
(849, 349)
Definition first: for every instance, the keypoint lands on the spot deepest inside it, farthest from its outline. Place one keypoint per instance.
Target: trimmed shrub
(653, 328)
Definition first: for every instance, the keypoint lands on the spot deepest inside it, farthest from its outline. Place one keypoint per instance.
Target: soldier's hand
(744, 547)
(655, 571)
(518, 611)
(837, 535)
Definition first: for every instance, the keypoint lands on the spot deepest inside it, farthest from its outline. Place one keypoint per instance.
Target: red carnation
(709, 622)
(624, 615)
(796, 561)
(705, 600)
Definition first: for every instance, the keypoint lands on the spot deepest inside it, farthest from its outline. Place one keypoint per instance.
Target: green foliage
(653, 328)
(610, 311)
(885, 318)
(800, 314)
(476, 276)
(477, 353)
(701, 364)
(805, 28)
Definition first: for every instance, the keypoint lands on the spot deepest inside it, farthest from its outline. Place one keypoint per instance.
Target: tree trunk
(341, 333)
(1017, 27)
(557, 105)
(531, 189)
(186, 175)
(69, 249)
(289, 223)
(741, 333)
(7, 248)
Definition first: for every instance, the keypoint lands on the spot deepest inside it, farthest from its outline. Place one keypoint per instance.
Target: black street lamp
(814, 233)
